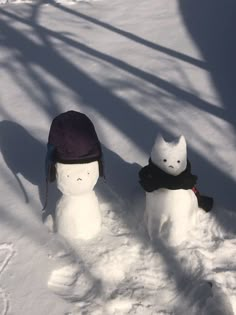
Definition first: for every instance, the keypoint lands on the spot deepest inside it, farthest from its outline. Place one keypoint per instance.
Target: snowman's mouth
(171, 166)
(78, 179)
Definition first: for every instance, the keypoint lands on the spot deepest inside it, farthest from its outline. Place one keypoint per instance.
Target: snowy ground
(135, 68)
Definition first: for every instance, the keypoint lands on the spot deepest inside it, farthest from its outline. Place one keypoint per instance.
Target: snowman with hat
(74, 161)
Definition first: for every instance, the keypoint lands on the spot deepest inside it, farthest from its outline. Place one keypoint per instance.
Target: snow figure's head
(77, 179)
(171, 157)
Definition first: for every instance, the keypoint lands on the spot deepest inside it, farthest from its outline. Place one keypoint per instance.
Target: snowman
(172, 201)
(74, 160)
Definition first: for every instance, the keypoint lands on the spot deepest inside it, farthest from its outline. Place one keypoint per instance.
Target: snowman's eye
(165, 160)
(178, 161)
(68, 176)
(88, 173)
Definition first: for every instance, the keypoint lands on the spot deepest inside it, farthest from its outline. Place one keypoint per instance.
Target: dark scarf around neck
(151, 177)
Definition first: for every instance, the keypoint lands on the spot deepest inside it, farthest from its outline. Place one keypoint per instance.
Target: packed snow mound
(126, 273)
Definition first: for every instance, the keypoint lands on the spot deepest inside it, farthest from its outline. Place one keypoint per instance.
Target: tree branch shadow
(211, 25)
(113, 108)
(133, 37)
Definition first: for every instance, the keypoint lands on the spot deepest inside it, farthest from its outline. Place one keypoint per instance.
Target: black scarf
(151, 177)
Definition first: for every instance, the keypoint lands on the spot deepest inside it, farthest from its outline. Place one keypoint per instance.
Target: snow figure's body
(170, 214)
(74, 160)
(77, 213)
(171, 207)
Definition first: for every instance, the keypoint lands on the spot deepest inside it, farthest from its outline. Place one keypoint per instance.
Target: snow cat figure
(172, 200)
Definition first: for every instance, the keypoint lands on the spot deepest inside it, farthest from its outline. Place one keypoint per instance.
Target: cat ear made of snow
(159, 141)
(182, 142)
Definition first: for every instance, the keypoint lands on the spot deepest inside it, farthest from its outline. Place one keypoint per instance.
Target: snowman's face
(171, 157)
(76, 179)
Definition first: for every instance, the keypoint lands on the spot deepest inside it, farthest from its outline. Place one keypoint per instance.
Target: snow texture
(135, 68)
(36, 2)
(77, 212)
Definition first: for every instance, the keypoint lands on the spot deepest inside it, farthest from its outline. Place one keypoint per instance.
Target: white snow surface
(135, 68)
